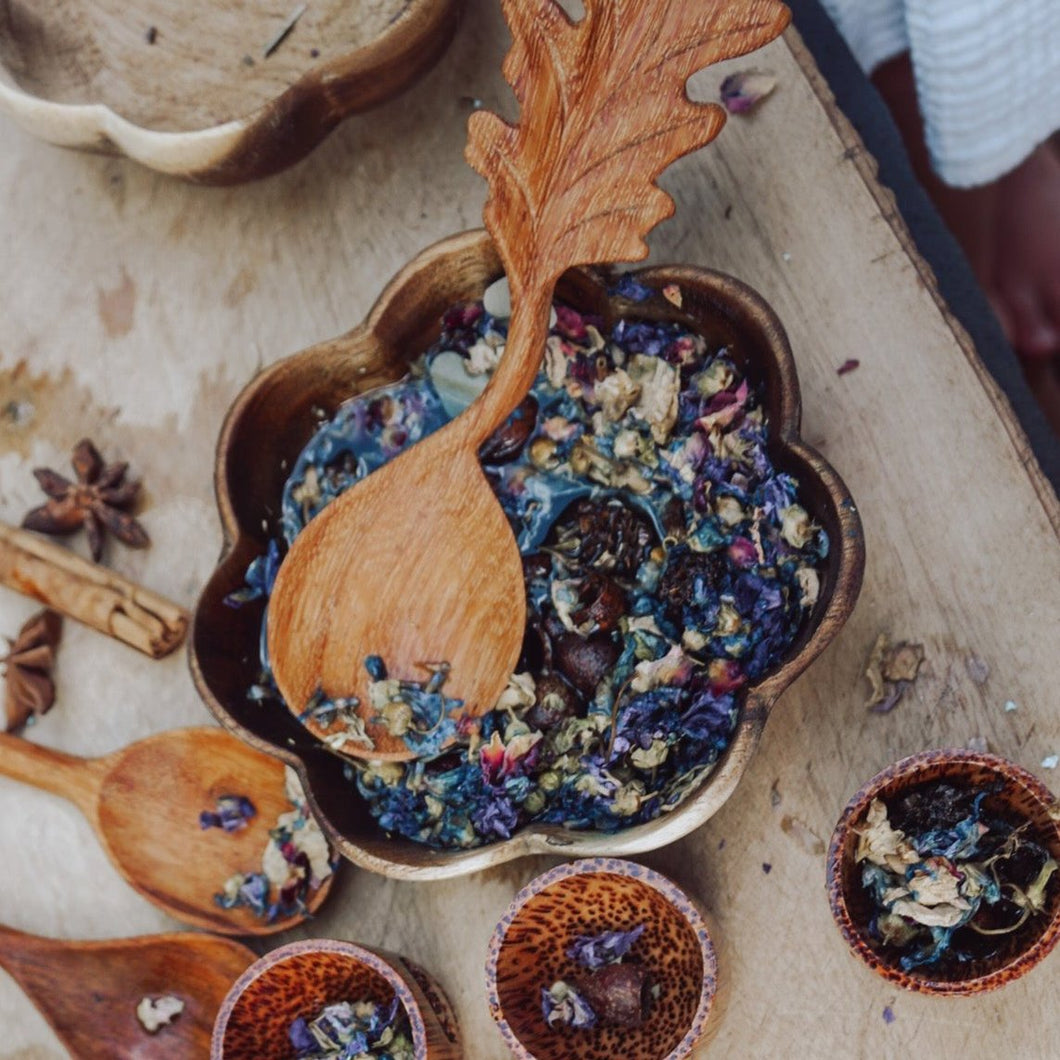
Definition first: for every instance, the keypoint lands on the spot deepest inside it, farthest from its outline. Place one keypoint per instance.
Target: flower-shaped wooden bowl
(278, 412)
(187, 88)
(528, 953)
(302, 978)
(1020, 795)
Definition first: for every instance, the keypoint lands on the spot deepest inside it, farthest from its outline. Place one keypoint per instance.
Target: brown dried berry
(585, 661)
(620, 994)
(507, 441)
(674, 520)
(556, 702)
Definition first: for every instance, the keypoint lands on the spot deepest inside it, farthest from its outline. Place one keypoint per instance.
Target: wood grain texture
(90, 593)
(144, 802)
(603, 111)
(88, 991)
(963, 549)
(210, 92)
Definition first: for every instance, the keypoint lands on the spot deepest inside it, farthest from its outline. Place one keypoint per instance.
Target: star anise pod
(29, 686)
(96, 501)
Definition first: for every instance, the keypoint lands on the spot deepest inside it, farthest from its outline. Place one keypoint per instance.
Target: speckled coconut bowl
(528, 953)
(277, 413)
(302, 978)
(1021, 795)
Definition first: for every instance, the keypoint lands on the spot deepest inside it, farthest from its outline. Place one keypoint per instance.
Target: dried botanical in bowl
(322, 997)
(614, 659)
(602, 958)
(942, 872)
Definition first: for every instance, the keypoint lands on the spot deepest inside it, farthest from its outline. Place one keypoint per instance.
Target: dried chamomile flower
(154, 1013)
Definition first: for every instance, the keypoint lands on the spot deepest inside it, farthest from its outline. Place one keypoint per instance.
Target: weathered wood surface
(134, 308)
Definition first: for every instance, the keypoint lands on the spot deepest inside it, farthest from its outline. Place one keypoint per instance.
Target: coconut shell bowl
(300, 980)
(278, 412)
(211, 92)
(1012, 929)
(653, 995)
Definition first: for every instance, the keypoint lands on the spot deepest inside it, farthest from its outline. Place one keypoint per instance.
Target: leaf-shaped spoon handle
(416, 564)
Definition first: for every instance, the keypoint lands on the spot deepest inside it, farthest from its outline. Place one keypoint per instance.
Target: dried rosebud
(620, 994)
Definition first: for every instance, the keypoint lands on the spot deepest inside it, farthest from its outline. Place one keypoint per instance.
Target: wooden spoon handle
(90, 593)
(519, 364)
(70, 777)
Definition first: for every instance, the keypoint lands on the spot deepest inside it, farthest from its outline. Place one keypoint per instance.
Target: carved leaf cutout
(604, 110)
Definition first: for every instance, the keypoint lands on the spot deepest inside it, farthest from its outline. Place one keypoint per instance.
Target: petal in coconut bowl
(603, 958)
(942, 872)
(686, 556)
(216, 93)
(325, 998)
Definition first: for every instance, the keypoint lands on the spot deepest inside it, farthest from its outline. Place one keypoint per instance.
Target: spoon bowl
(88, 991)
(144, 802)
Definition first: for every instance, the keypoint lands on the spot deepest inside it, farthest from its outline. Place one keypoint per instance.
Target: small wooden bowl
(528, 952)
(1021, 795)
(187, 89)
(277, 413)
(302, 978)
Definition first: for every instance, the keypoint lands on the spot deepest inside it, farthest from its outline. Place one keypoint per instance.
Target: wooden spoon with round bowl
(416, 563)
(89, 991)
(144, 803)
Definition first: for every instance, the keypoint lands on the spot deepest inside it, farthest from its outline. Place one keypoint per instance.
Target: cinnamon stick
(90, 593)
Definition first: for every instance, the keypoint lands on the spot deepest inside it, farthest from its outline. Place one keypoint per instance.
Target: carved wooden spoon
(144, 802)
(89, 991)
(417, 563)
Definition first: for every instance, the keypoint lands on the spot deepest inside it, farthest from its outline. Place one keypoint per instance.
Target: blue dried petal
(608, 947)
(301, 1039)
(632, 289)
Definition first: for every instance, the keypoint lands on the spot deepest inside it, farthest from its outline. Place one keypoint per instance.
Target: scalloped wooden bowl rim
(908, 770)
(269, 137)
(685, 904)
(847, 546)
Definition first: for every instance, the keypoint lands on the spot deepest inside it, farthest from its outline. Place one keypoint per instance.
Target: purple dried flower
(232, 814)
(743, 91)
(609, 947)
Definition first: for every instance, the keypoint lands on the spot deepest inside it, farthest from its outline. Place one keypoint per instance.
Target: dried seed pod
(620, 994)
(507, 441)
(585, 661)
